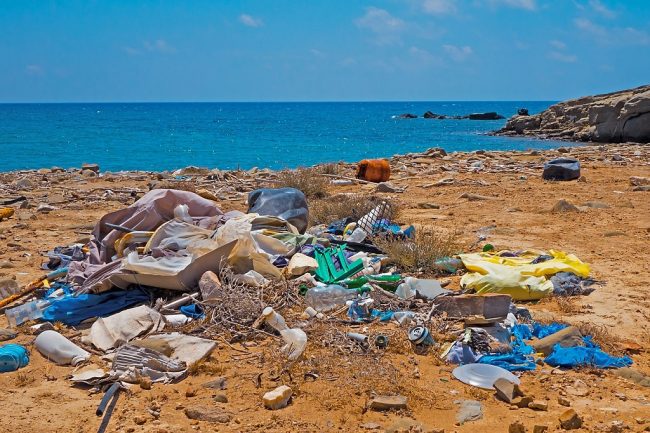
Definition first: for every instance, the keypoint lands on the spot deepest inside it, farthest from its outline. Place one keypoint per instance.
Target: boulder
(492, 115)
(430, 115)
(561, 169)
(407, 116)
(617, 117)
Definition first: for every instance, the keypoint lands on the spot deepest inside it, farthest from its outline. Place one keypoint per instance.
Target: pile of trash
(161, 279)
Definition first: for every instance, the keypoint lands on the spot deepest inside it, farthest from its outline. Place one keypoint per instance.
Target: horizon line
(274, 102)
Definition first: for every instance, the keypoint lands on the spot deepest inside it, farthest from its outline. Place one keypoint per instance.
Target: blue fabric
(72, 310)
(541, 331)
(13, 357)
(510, 361)
(193, 310)
(588, 356)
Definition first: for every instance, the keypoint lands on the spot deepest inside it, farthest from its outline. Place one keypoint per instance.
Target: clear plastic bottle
(274, 319)
(30, 311)
(328, 297)
(450, 265)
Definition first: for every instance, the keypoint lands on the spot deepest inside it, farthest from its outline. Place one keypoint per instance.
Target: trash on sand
(113, 331)
(13, 357)
(373, 170)
(287, 203)
(482, 375)
(59, 349)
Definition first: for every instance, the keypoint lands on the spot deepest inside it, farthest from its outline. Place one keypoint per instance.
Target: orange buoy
(373, 170)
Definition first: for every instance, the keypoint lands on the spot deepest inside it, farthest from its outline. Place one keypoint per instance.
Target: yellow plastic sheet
(517, 276)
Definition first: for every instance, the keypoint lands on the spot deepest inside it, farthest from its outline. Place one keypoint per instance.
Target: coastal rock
(407, 116)
(91, 167)
(616, 117)
(492, 115)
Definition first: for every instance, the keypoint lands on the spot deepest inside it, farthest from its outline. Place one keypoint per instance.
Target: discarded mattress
(521, 276)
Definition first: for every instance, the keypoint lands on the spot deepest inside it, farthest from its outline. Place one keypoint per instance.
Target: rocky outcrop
(474, 116)
(617, 117)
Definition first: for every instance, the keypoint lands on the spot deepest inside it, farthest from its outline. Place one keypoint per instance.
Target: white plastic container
(295, 342)
(59, 349)
(274, 319)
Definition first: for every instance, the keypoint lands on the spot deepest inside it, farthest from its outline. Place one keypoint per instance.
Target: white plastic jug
(274, 319)
(59, 349)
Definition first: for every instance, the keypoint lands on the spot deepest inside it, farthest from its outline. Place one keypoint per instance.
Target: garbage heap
(165, 278)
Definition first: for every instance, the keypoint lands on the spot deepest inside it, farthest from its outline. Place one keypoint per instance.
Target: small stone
(387, 187)
(578, 389)
(139, 419)
(214, 415)
(596, 205)
(91, 167)
(210, 286)
(564, 206)
(278, 398)
(428, 206)
(516, 427)
(145, 382)
(522, 402)
(405, 425)
(613, 233)
(190, 392)
(569, 420)
(220, 398)
(513, 209)
(617, 157)
(24, 184)
(388, 402)
(88, 173)
(562, 150)
(470, 410)
(563, 401)
(538, 405)
(45, 208)
(370, 426)
(582, 179)
(540, 428)
(506, 390)
(639, 181)
(220, 383)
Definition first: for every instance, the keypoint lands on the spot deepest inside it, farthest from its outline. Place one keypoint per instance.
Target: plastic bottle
(30, 311)
(427, 288)
(403, 317)
(274, 319)
(328, 297)
(59, 349)
(448, 264)
(358, 236)
(296, 341)
(13, 357)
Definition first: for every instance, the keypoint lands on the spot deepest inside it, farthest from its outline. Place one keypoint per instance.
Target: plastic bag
(287, 203)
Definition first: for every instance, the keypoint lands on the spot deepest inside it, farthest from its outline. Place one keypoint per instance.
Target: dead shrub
(331, 168)
(23, 379)
(348, 205)
(307, 180)
(564, 304)
(419, 255)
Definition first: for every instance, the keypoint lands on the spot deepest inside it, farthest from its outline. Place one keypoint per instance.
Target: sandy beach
(509, 204)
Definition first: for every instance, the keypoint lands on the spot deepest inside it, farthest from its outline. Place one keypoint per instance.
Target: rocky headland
(616, 117)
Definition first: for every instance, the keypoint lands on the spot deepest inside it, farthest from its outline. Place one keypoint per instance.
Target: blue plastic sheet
(588, 356)
(193, 310)
(541, 331)
(510, 361)
(72, 310)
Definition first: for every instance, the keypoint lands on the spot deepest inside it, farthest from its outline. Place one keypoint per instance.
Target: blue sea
(164, 136)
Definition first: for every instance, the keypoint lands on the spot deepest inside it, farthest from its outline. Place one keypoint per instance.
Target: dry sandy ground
(614, 240)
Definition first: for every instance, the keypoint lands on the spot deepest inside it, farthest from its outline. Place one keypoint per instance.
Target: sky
(320, 50)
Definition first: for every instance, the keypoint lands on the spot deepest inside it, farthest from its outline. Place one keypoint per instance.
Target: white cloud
(439, 7)
(530, 5)
(34, 70)
(559, 45)
(585, 25)
(385, 26)
(250, 21)
(636, 36)
(316, 53)
(158, 46)
(563, 57)
(422, 55)
(458, 53)
(598, 7)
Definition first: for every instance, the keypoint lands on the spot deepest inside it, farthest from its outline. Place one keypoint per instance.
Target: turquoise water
(134, 136)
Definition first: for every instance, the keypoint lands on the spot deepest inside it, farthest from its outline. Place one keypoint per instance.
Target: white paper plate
(482, 375)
